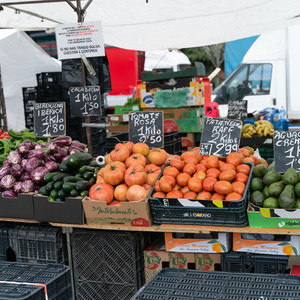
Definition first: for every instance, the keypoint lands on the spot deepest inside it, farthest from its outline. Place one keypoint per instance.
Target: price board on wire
(147, 127)
(85, 101)
(237, 109)
(220, 136)
(49, 119)
(286, 150)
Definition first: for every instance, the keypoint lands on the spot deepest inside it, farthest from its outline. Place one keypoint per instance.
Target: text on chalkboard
(237, 109)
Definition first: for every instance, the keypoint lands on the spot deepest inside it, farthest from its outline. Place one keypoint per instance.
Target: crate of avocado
(60, 199)
(275, 198)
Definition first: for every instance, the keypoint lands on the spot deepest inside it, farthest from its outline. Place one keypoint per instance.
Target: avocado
(271, 167)
(287, 198)
(297, 203)
(271, 202)
(271, 177)
(276, 188)
(297, 189)
(290, 176)
(256, 184)
(257, 198)
(259, 171)
(266, 192)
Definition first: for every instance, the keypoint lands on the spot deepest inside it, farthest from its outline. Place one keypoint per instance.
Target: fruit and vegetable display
(260, 128)
(270, 189)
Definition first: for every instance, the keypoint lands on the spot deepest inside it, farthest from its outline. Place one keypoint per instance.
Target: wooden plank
(18, 220)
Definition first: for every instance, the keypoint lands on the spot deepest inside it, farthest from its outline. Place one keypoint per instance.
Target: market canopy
(157, 24)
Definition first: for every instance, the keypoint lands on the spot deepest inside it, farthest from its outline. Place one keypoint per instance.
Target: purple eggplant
(51, 166)
(37, 175)
(78, 144)
(8, 181)
(38, 153)
(18, 187)
(23, 163)
(63, 141)
(14, 157)
(16, 170)
(36, 191)
(38, 146)
(25, 147)
(52, 146)
(50, 157)
(9, 194)
(74, 149)
(6, 164)
(32, 164)
(65, 158)
(61, 153)
(26, 176)
(4, 171)
(27, 186)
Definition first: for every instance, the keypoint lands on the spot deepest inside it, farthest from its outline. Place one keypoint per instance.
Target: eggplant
(38, 153)
(26, 176)
(78, 144)
(16, 170)
(51, 165)
(37, 175)
(23, 163)
(9, 194)
(4, 171)
(6, 164)
(60, 153)
(27, 186)
(8, 181)
(18, 187)
(52, 146)
(50, 157)
(38, 146)
(65, 158)
(74, 149)
(25, 147)
(14, 157)
(62, 141)
(32, 164)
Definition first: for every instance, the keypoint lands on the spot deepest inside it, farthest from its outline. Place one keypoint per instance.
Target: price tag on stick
(237, 109)
(85, 101)
(286, 150)
(220, 136)
(49, 119)
(147, 127)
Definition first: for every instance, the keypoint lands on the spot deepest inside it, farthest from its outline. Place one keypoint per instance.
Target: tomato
(115, 203)
(135, 158)
(174, 194)
(190, 169)
(101, 192)
(212, 162)
(239, 187)
(227, 167)
(249, 159)
(221, 163)
(120, 192)
(157, 156)
(151, 178)
(184, 190)
(165, 186)
(183, 178)
(129, 145)
(135, 175)
(241, 177)
(178, 164)
(152, 168)
(234, 158)
(136, 193)
(200, 174)
(99, 178)
(147, 187)
(118, 164)
(159, 195)
(256, 160)
(245, 152)
(223, 187)
(227, 175)
(233, 196)
(217, 196)
(119, 154)
(118, 145)
(107, 159)
(204, 196)
(170, 171)
(168, 178)
(113, 175)
(191, 158)
(177, 187)
(208, 183)
(141, 148)
(204, 162)
(201, 167)
(157, 186)
(190, 195)
(243, 169)
(195, 184)
(213, 172)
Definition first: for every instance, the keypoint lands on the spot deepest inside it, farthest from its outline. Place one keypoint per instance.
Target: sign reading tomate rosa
(75, 39)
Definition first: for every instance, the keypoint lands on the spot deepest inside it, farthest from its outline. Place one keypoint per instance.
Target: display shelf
(18, 220)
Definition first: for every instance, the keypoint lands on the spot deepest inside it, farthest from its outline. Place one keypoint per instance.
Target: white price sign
(79, 38)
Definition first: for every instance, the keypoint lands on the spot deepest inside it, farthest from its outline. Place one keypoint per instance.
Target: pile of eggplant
(24, 169)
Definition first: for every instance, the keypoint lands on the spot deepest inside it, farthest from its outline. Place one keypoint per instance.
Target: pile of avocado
(271, 189)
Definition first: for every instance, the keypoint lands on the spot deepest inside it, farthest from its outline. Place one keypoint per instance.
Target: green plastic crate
(120, 110)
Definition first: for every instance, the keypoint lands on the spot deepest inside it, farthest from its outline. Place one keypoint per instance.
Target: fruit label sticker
(220, 136)
(286, 150)
(147, 127)
(237, 109)
(49, 119)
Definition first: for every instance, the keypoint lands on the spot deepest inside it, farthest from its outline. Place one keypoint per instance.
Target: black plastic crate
(21, 292)
(178, 284)
(108, 264)
(49, 79)
(204, 212)
(172, 141)
(4, 241)
(56, 277)
(254, 263)
(29, 94)
(49, 94)
(38, 244)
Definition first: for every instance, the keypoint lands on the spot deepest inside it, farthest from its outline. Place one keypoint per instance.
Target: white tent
(20, 60)
(160, 24)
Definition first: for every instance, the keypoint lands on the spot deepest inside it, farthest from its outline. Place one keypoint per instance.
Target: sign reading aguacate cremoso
(220, 136)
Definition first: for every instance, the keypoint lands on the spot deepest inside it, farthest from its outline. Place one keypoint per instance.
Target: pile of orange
(194, 176)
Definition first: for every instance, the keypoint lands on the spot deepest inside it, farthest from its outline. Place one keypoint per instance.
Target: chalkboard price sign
(286, 150)
(147, 127)
(85, 101)
(49, 119)
(237, 109)
(220, 136)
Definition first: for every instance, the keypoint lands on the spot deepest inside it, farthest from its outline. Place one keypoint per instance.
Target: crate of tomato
(210, 191)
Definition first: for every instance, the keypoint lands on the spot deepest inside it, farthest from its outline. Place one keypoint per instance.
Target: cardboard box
(20, 207)
(188, 141)
(275, 247)
(157, 259)
(68, 212)
(128, 213)
(273, 218)
(119, 110)
(118, 118)
(220, 244)
(118, 128)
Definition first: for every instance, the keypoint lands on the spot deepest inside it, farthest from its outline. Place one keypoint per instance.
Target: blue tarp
(235, 52)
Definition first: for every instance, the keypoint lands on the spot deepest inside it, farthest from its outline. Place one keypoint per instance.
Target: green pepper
(29, 138)
(6, 146)
(16, 135)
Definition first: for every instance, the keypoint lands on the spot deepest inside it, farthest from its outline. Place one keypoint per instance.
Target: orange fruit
(213, 172)
(242, 168)
(241, 177)
(217, 196)
(223, 187)
(204, 196)
(233, 196)
(234, 158)
(238, 187)
(227, 175)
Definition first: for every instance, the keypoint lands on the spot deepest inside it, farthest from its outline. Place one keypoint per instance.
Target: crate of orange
(203, 190)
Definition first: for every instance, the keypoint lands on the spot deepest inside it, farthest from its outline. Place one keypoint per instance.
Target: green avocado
(257, 198)
(259, 171)
(290, 176)
(271, 177)
(287, 198)
(276, 188)
(256, 184)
